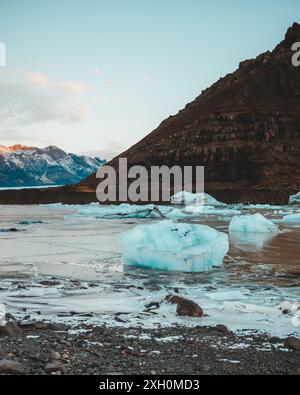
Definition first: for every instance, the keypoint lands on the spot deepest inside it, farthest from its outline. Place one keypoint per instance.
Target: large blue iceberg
(255, 223)
(173, 246)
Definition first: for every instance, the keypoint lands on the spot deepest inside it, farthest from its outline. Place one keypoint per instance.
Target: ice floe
(173, 246)
(123, 210)
(292, 218)
(295, 199)
(189, 198)
(255, 223)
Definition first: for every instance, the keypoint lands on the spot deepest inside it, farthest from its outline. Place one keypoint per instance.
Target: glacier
(189, 198)
(173, 246)
(295, 199)
(255, 223)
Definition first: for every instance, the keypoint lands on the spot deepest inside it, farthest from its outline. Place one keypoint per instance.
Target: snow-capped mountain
(31, 166)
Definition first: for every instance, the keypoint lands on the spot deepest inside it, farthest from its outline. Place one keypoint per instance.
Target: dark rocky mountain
(29, 166)
(245, 130)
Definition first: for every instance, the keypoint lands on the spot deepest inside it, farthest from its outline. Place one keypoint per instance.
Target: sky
(96, 76)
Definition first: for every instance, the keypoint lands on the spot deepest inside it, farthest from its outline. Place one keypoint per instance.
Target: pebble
(11, 367)
(293, 343)
(54, 367)
(10, 329)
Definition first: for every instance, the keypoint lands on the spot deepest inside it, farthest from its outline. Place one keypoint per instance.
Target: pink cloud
(71, 88)
(36, 78)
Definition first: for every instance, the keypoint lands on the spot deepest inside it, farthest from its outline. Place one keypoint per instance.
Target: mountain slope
(30, 166)
(245, 130)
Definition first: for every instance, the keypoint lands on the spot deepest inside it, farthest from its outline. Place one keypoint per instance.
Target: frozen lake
(65, 264)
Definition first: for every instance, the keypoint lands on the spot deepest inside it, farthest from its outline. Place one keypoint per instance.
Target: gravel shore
(40, 348)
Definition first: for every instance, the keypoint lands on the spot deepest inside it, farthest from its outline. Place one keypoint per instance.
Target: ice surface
(124, 210)
(83, 255)
(292, 218)
(295, 199)
(210, 210)
(255, 223)
(189, 198)
(173, 246)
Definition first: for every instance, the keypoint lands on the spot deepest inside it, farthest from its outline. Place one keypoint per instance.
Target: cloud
(96, 71)
(109, 151)
(31, 98)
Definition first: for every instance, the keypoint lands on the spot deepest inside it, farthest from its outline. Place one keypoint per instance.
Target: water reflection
(250, 241)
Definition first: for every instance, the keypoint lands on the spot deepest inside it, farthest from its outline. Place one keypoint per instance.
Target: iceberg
(295, 199)
(255, 223)
(189, 198)
(291, 218)
(173, 246)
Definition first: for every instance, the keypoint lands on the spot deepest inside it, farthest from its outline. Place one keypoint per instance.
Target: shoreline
(40, 348)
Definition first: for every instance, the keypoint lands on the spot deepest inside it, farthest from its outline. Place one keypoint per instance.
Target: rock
(10, 329)
(187, 308)
(222, 329)
(58, 326)
(55, 355)
(293, 343)
(174, 299)
(11, 367)
(35, 325)
(205, 368)
(54, 367)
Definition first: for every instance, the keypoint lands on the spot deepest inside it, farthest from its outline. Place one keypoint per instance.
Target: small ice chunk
(256, 223)
(295, 199)
(195, 198)
(2, 314)
(291, 218)
(173, 246)
(30, 221)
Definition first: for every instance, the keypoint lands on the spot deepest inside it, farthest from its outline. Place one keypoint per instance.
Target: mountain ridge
(32, 166)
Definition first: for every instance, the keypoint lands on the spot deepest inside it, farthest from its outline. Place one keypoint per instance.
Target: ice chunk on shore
(291, 218)
(255, 223)
(189, 198)
(2, 314)
(174, 247)
(295, 199)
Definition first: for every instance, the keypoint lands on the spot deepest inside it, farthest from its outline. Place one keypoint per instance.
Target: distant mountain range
(30, 166)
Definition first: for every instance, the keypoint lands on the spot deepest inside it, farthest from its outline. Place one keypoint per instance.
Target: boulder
(10, 329)
(11, 367)
(185, 307)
